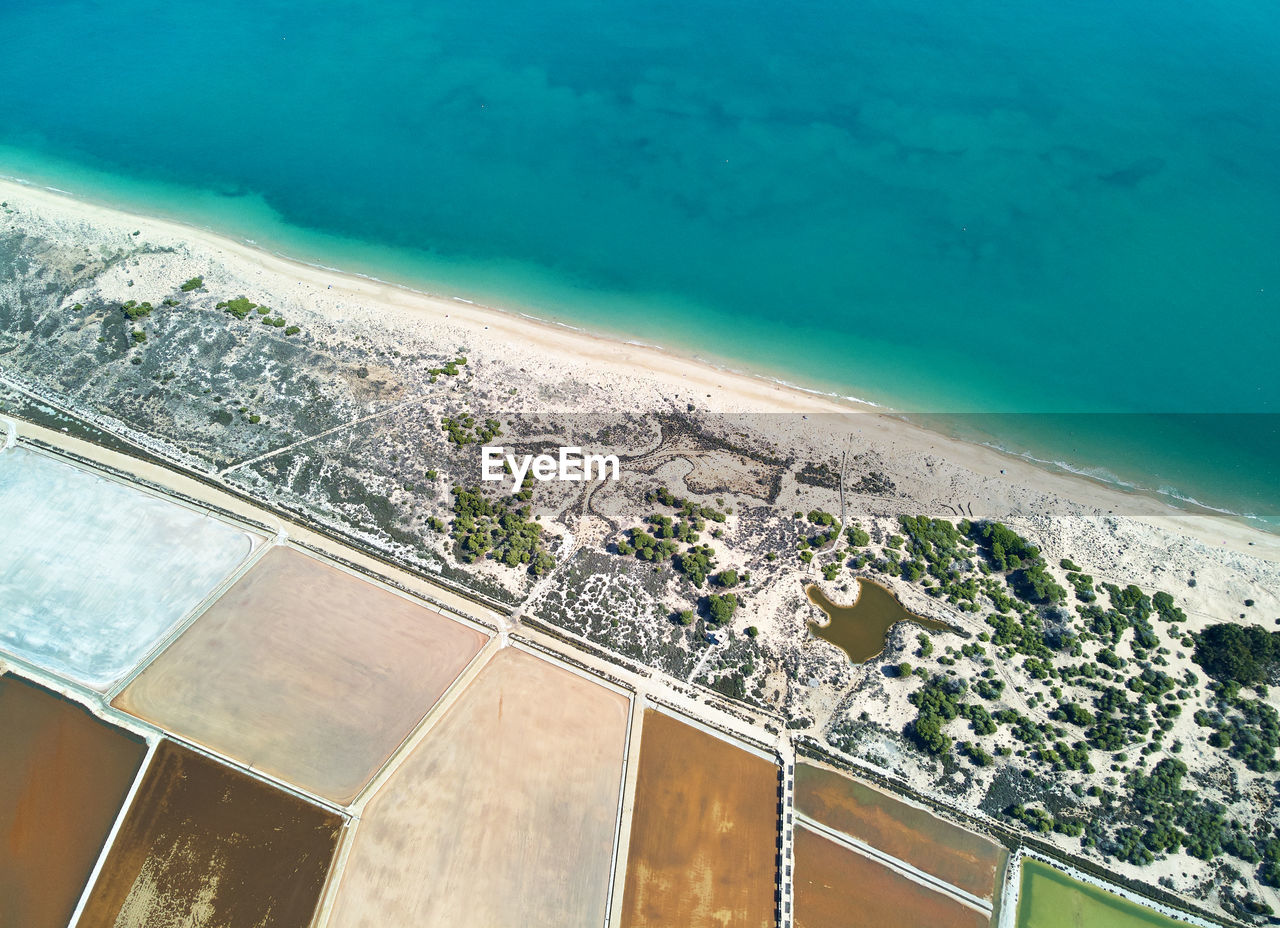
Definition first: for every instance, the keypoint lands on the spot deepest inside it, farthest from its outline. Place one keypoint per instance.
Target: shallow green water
(1048, 898)
(859, 630)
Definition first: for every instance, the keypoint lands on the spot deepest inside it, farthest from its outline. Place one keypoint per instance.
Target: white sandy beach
(625, 375)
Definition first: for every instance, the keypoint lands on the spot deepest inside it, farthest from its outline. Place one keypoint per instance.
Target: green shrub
(239, 307)
(857, 536)
(721, 607)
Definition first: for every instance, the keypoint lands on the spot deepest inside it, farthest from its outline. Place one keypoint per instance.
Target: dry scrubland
(306, 672)
(365, 420)
(504, 814)
(204, 846)
(839, 888)
(64, 775)
(703, 833)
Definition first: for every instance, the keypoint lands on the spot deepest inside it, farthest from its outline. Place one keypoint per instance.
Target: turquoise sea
(944, 207)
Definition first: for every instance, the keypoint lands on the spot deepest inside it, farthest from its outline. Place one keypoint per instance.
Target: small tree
(721, 608)
(926, 644)
(857, 536)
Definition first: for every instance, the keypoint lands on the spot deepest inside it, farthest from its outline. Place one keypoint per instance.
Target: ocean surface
(1064, 214)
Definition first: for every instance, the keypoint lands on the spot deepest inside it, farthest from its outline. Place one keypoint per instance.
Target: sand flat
(64, 775)
(839, 888)
(93, 573)
(205, 846)
(961, 858)
(305, 672)
(505, 814)
(704, 832)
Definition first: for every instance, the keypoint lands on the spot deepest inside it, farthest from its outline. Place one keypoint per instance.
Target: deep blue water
(944, 207)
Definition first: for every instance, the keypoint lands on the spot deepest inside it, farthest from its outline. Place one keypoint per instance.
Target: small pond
(860, 630)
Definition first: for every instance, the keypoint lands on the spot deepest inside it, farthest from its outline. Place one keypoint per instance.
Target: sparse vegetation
(465, 430)
(501, 529)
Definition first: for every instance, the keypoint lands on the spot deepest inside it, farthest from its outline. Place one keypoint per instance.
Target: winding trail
(310, 438)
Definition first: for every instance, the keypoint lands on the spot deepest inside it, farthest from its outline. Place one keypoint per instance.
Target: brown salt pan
(703, 834)
(64, 775)
(839, 888)
(959, 857)
(205, 846)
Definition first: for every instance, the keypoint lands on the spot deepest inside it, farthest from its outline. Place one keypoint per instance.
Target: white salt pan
(93, 573)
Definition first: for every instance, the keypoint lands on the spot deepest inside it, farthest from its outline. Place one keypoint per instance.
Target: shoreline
(718, 389)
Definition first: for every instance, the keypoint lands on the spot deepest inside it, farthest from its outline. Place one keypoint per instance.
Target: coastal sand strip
(333, 293)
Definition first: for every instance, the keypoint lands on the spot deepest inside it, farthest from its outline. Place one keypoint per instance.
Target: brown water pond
(205, 846)
(64, 775)
(860, 630)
